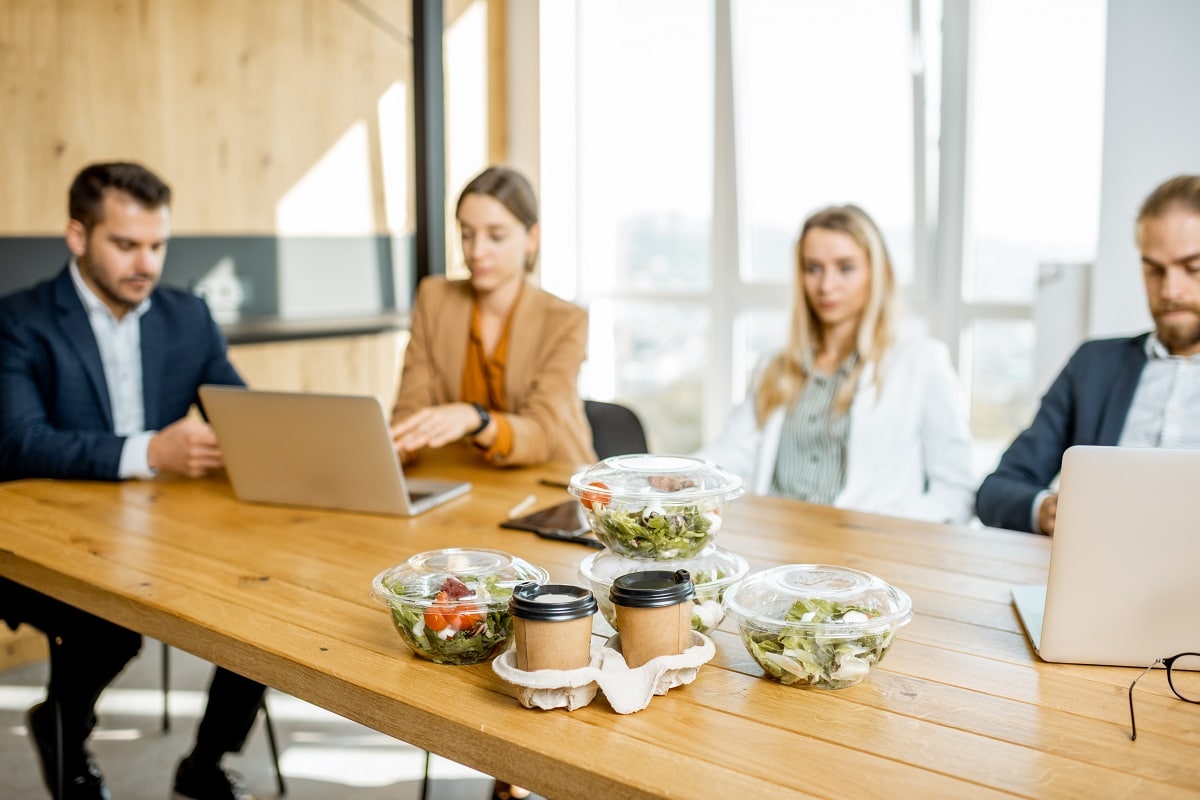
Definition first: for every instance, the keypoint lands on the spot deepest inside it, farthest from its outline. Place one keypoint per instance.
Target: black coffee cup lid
(652, 588)
(551, 602)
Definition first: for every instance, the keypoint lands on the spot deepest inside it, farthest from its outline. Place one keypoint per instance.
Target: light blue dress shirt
(1163, 411)
(120, 344)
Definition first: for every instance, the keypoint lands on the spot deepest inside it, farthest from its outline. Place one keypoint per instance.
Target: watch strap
(485, 419)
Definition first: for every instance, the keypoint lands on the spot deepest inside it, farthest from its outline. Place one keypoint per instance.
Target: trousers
(86, 655)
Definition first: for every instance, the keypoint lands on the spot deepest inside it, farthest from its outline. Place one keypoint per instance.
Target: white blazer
(909, 450)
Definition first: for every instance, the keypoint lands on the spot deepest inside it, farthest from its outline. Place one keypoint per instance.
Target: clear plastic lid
(646, 479)
(714, 566)
(830, 592)
(485, 574)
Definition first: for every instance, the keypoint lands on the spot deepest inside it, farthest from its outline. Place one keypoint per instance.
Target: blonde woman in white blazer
(850, 413)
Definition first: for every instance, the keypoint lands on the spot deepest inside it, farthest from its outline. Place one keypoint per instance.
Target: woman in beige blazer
(493, 359)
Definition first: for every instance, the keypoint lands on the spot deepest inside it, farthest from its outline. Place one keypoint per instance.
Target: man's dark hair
(85, 201)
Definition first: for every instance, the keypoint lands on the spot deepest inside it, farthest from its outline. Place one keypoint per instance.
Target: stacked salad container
(660, 512)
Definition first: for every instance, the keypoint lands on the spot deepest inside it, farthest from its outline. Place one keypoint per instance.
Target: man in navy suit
(1142, 391)
(98, 369)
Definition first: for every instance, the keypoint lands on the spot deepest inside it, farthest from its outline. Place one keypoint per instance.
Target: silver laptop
(316, 450)
(1124, 581)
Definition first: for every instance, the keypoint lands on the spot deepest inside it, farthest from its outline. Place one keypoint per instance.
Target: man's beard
(1179, 337)
(111, 289)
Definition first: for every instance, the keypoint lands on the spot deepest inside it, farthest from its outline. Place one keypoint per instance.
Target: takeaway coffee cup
(552, 626)
(654, 613)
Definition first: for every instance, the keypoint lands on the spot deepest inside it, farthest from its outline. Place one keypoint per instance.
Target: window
(831, 102)
(667, 323)
(823, 93)
(645, 166)
(1033, 200)
(466, 76)
(824, 116)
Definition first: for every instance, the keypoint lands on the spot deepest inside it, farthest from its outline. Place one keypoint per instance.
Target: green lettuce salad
(655, 532)
(810, 650)
(458, 624)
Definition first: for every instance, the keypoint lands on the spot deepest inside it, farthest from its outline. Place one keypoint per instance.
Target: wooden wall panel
(231, 101)
(497, 81)
(367, 364)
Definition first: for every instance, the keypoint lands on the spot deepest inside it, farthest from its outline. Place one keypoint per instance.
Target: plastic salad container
(817, 625)
(713, 571)
(451, 606)
(655, 507)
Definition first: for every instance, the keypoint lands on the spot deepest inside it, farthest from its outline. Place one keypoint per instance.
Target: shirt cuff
(1037, 505)
(502, 445)
(135, 460)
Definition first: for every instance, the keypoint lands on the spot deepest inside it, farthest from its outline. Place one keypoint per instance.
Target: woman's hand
(436, 426)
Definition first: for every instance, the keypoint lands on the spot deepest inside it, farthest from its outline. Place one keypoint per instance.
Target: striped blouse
(811, 464)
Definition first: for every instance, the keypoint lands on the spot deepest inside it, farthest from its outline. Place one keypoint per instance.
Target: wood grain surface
(960, 707)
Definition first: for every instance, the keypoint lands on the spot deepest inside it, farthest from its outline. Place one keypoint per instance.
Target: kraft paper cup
(552, 626)
(654, 614)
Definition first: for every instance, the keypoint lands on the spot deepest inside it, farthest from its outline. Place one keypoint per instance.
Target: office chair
(616, 429)
(267, 724)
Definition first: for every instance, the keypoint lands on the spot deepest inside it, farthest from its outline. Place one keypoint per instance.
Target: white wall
(1151, 132)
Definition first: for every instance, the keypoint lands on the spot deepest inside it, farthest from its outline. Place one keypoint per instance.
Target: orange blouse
(535, 370)
(483, 382)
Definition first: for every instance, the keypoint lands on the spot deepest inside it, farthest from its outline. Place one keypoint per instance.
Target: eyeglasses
(1183, 676)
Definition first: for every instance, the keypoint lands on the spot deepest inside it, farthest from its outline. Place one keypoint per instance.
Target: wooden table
(960, 707)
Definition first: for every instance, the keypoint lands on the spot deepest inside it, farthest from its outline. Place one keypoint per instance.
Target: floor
(321, 755)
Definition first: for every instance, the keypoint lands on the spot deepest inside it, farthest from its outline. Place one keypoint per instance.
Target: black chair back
(616, 429)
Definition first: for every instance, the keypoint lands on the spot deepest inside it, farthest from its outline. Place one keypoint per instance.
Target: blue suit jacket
(1086, 404)
(55, 413)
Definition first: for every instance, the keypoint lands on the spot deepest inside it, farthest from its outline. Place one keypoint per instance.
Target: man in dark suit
(99, 367)
(1134, 392)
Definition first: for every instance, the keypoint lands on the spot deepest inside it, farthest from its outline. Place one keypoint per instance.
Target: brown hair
(1180, 191)
(785, 375)
(85, 199)
(512, 190)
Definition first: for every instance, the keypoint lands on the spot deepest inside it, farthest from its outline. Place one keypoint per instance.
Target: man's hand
(187, 447)
(1047, 513)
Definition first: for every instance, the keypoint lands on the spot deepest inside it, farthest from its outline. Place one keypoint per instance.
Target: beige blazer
(547, 345)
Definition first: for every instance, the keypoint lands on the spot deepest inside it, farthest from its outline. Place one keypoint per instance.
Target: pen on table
(522, 506)
(557, 484)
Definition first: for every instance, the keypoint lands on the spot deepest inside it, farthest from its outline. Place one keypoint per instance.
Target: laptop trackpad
(424, 487)
(425, 493)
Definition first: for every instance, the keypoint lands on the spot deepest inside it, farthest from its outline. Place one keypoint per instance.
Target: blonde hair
(786, 374)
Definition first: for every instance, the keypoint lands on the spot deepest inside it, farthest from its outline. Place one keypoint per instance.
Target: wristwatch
(485, 419)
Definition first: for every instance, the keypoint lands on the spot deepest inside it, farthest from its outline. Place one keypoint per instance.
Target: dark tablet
(563, 521)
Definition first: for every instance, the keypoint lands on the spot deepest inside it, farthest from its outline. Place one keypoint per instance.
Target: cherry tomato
(468, 616)
(437, 616)
(591, 498)
(435, 620)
